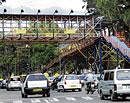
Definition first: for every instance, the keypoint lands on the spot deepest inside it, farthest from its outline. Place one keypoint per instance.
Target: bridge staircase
(73, 48)
(115, 42)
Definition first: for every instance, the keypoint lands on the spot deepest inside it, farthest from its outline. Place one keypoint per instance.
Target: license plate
(73, 85)
(37, 90)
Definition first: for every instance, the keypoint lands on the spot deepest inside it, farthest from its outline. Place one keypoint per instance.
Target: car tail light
(65, 82)
(115, 87)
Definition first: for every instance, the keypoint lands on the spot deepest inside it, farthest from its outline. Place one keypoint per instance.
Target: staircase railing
(118, 44)
(69, 50)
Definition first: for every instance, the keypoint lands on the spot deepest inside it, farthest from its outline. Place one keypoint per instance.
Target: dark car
(55, 81)
(0, 83)
(3, 84)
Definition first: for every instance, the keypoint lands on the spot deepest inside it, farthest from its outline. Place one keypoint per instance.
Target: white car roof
(115, 70)
(15, 76)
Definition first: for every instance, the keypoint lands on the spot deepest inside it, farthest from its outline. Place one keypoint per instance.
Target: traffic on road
(111, 86)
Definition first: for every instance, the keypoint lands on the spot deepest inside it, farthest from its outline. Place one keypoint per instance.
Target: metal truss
(26, 28)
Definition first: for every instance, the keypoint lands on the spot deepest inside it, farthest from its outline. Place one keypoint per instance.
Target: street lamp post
(84, 26)
(56, 11)
(20, 22)
(69, 22)
(69, 16)
(37, 22)
(21, 17)
(3, 23)
(59, 59)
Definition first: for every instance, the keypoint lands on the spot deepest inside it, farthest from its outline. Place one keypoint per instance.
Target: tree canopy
(115, 11)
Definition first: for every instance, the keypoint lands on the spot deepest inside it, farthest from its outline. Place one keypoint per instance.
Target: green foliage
(114, 10)
(19, 59)
(44, 27)
(108, 8)
(42, 53)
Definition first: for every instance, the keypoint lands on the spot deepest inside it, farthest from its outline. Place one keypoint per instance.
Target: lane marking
(18, 101)
(70, 99)
(35, 101)
(87, 98)
(46, 101)
(55, 99)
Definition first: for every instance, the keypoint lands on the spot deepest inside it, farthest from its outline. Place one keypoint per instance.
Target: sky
(76, 5)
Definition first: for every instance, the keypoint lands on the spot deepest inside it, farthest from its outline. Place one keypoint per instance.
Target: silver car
(116, 83)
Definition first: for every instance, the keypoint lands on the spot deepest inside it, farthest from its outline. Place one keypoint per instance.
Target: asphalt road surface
(56, 97)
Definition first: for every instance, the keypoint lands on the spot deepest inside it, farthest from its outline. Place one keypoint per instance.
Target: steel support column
(100, 52)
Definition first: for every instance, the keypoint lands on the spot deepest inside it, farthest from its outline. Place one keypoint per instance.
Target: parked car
(116, 83)
(14, 83)
(35, 83)
(69, 82)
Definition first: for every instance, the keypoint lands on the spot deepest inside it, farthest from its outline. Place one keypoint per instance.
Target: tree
(113, 10)
(43, 53)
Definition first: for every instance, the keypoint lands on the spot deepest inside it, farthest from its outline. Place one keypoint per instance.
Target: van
(115, 83)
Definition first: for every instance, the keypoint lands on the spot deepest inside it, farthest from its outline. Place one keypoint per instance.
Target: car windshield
(72, 77)
(15, 79)
(36, 78)
(52, 78)
(123, 75)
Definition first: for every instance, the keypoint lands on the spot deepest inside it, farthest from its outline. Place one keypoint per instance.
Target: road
(56, 97)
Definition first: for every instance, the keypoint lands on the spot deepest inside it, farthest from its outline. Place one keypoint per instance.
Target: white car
(69, 82)
(116, 83)
(35, 84)
(14, 83)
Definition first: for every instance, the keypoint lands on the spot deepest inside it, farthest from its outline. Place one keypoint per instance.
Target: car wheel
(8, 89)
(24, 95)
(102, 97)
(113, 96)
(80, 90)
(63, 89)
(58, 90)
(43, 95)
(20, 89)
(123, 97)
(48, 94)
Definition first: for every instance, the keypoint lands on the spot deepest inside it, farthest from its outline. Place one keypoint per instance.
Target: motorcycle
(90, 87)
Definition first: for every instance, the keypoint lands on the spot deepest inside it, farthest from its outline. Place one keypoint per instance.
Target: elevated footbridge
(93, 49)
